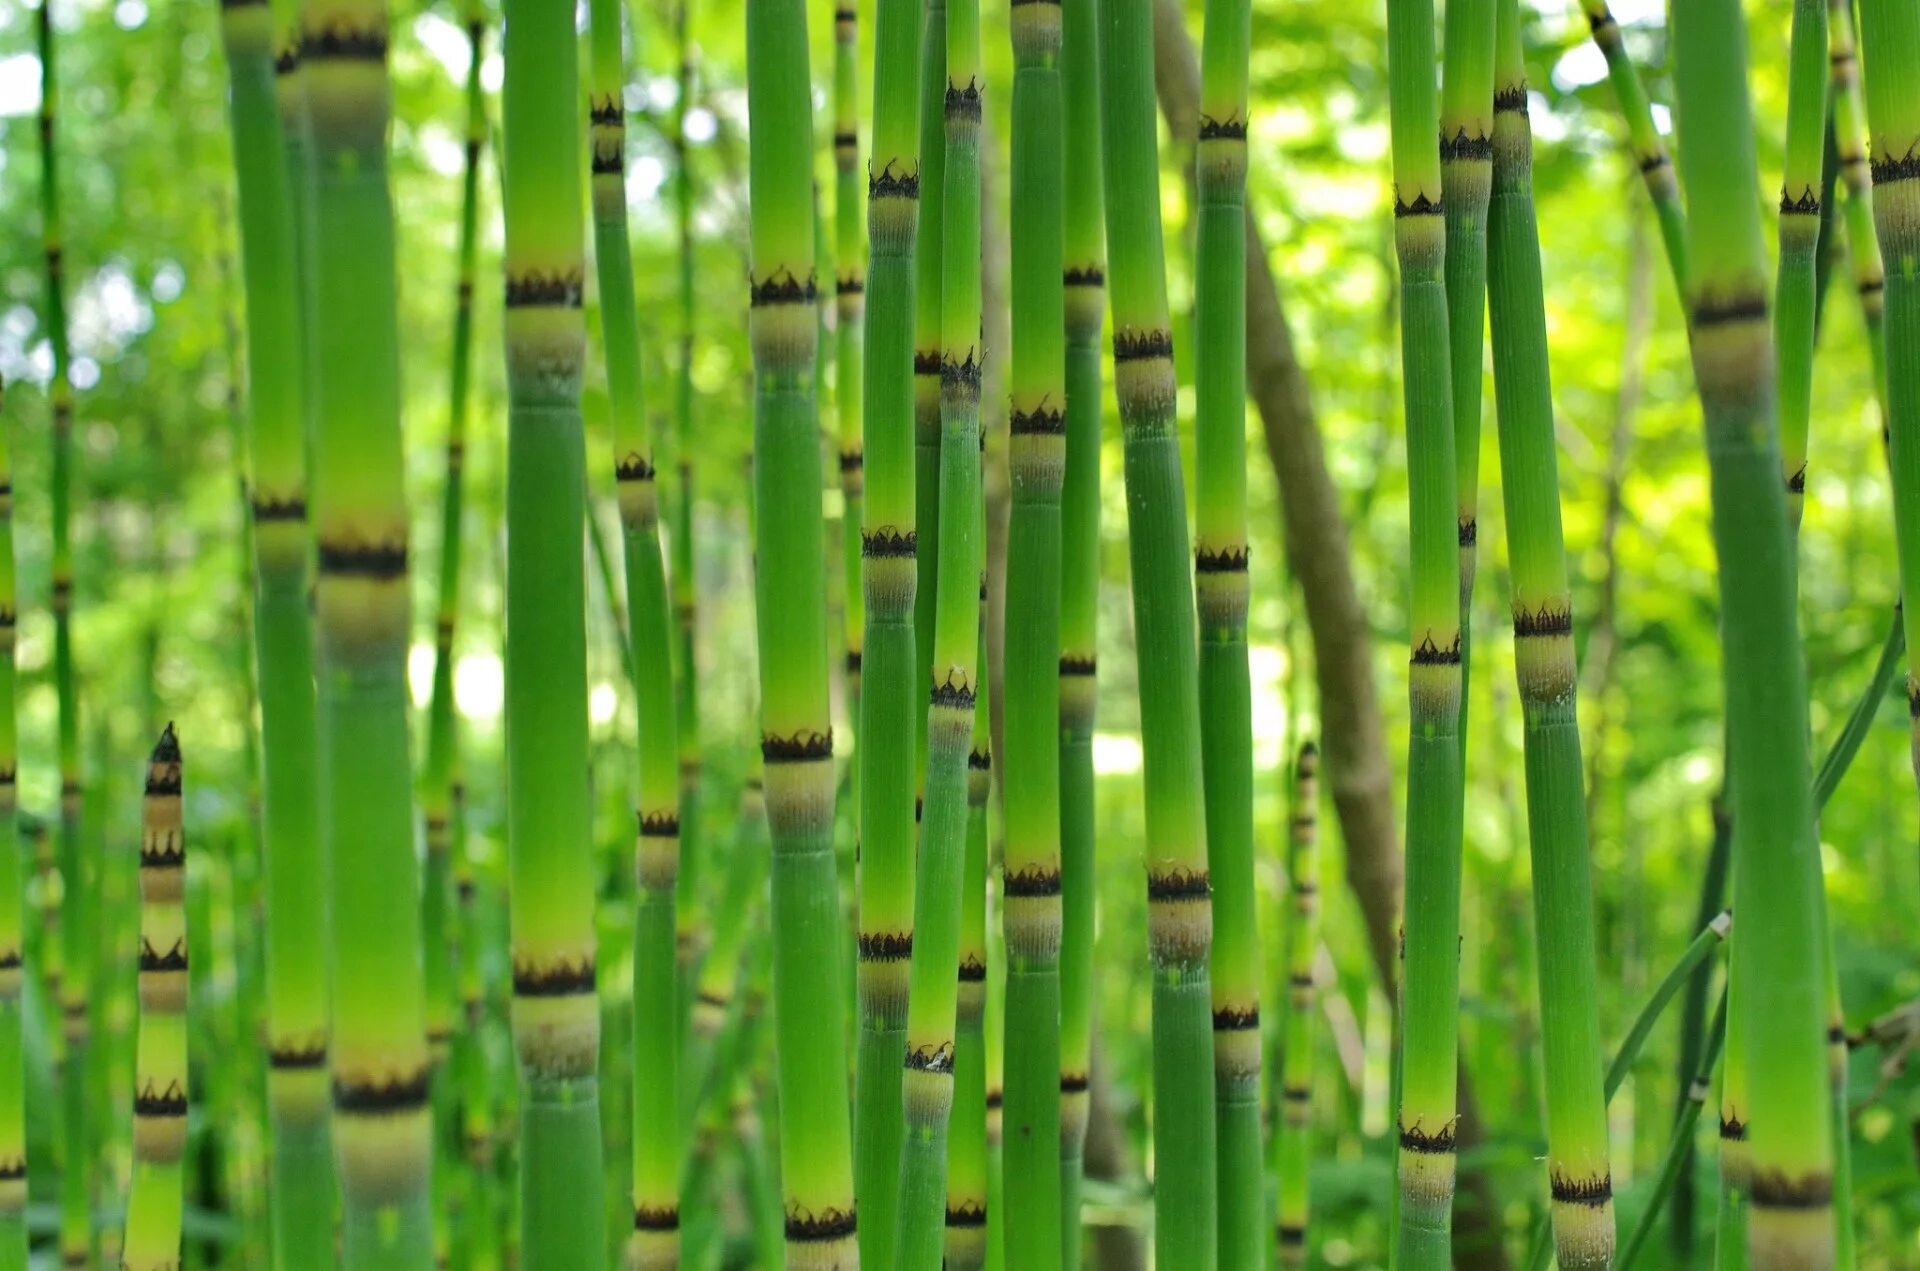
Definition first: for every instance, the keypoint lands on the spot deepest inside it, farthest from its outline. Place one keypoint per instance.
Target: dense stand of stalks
(1649, 149)
(967, 1228)
(382, 1125)
(301, 1185)
(1431, 972)
(1794, 298)
(155, 1204)
(1293, 1142)
(1030, 775)
(1779, 1004)
(890, 677)
(656, 1009)
(13, 943)
(1577, 1161)
(796, 735)
(1179, 895)
(1084, 279)
(927, 1083)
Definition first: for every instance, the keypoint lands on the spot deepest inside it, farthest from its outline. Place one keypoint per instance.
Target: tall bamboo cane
(849, 289)
(13, 1095)
(1293, 1142)
(968, 1208)
(1795, 304)
(1850, 142)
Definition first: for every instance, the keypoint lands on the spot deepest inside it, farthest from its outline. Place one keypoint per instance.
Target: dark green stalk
(1293, 1142)
(1643, 139)
(790, 590)
(928, 266)
(849, 289)
(968, 1209)
(1795, 306)
(1084, 279)
(1431, 999)
(927, 1083)
(1581, 1182)
(157, 1198)
(13, 1094)
(301, 1183)
(1840, 754)
(1850, 145)
(655, 1242)
(1179, 896)
(1780, 996)
(889, 579)
(1030, 778)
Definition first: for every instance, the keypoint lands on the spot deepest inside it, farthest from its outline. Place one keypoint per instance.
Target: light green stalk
(1850, 145)
(381, 1067)
(1084, 279)
(1030, 779)
(928, 267)
(656, 1011)
(1794, 292)
(849, 289)
(158, 1196)
(13, 1095)
(1431, 995)
(889, 580)
(796, 735)
(301, 1184)
(1780, 996)
(1293, 1142)
(1581, 1183)
(1222, 595)
(1179, 896)
(76, 1241)
(1649, 150)
(927, 1083)
(556, 1023)
(968, 1204)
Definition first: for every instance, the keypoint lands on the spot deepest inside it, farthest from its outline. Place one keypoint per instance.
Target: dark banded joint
(603, 110)
(1601, 21)
(1421, 206)
(565, 978)
(935, 1059)
(1031, 882)
(10, 960)
(801, 747)
(659, 825)
(1729, 310)
(852, 461)
(1797, 483)
(653, 1218)
(13, 1169)
(168, 1103)
(781, 287)
(372, 562)
(1774, 1189)
(405, 1093)
(969, 1214)
(963, 373)
(889, 184)
(846, 140)
(543, 289)
(1807, 204)
(1236, 1019)
(344, 45)
(1650, 163)
(1042, 421)
(980, 760)
(174, 959)
(1230, 129)
(807, 1226)
(1297, 1094)
(167, 856)
(994, 1099)
(1595, 1192)
(1180, 883)
(1427, 653)
(1300, 979)
(926, 362)
(952, 694)
(1468, 531)
(611, 164)
(1550, 619)
(1872, 286)
(1905, 168)
(849, 285)
(963, 103)
(884, 543)
(1463, 147)
(269, 510)
(711, 998)
(1415, 1139)
(1083, 276)
(1142, 346)
(853, 661)
(886, 946)
(1232, 560)
(1508, 99)
(308, 1058)
(972, 970)
(1291, 1237)
(8, 776)
(1073, 1083)
(845, 15)
(1076, 665)
(1733, 1129)
(286, 61)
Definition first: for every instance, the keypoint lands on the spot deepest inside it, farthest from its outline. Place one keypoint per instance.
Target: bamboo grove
(951, 823)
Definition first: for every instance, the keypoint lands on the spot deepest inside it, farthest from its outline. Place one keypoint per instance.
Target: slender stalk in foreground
(927, 1084)
(1179, 895)
(1431, 996)
(1084, 279)
(849, 290)
(1695, 1098)
(1030, 777)
(928, 267)
(967, 1179)
(1850, 145)
(1581, 1182)
(300, 1193)
(1777, 884)
(891, 669)
(655, 1241)
(789, 580)
(1293, 1144)
(1794, 302)
(155, 1204)
(13, 1109)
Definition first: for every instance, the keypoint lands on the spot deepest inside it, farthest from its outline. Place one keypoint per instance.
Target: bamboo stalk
(849, 289)
(301, 1180)
(1030, 780)
(928, 267)
(1179, 895)
(382, 1126)
(1581, 1182)
(796, 735)
(1850, 145)
(1293, 1144)
(968, 1208)
(155, 1204)
(13, 943)
(1779, 990)
(1795, 306)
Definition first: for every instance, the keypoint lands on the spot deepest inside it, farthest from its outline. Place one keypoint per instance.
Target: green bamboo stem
(1293, 1143)
(928, 268)
(889, 581)
(849, 289)
(796, 735)
(927, 1083)
(1643, 139)
(1846, 745)
(1030, 778)
(155, 1204)
(993, 1037)
(1736, 1167)
(1780, 996)
(1179, 895)
(1795, 306)
(1430, 1005)
(1466, 166)
(13, 944)
(1084, 279)
(381, 1067)
(1678, 1147)
(967, 1207)
(481, 1233)
(1850, 145)
(1890, 44)
(1581, 1182)
(556, 1024)
(656, 1012)
(76, 926)
(301, 1184)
